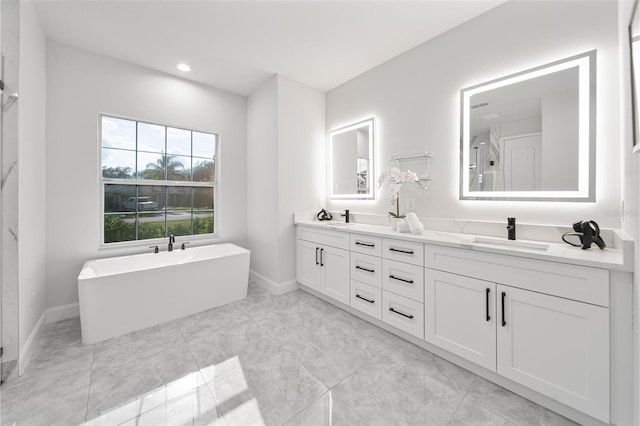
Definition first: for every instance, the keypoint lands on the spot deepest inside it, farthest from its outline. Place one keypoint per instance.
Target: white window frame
(102, 181)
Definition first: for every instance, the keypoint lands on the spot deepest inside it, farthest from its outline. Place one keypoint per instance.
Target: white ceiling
(237, 45)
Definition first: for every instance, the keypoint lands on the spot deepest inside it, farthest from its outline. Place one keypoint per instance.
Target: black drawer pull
(488, 317)
(504, 322)
(400, 313)
(317, 263)
(365, 269)
(358, 243)
(365, 299)
(401, 251)
(401, 279)
(321, 260)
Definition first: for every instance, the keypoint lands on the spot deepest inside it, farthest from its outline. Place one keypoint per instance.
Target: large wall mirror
(531, 135)
(634, 39)
(351, 161)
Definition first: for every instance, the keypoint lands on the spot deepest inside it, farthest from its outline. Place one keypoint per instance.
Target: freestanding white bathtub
(119, 295)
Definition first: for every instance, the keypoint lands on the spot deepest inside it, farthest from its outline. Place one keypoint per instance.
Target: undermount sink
(496, 242)
(330, 223)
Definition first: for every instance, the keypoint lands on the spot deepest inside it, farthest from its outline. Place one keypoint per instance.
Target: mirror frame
(586, 63)
(370, 195)
(635, 64)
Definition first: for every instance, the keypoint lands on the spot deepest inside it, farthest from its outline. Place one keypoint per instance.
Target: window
(156, 180)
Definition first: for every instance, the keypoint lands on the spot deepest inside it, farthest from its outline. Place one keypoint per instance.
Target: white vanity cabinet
(524, 329)
(556, 346)
(322, 262)
(556, 332)
(403, 285)
(460, 316)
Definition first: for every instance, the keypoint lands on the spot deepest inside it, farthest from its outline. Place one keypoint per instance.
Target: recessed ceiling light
(183, 67)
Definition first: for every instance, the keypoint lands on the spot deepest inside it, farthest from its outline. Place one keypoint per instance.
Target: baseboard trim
(272, 286)
(62, 312)
(29, 345)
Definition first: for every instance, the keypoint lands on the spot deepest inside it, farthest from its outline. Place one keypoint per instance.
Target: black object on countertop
(511, 228)
(346, 216)
(324, 215)
(589, 233)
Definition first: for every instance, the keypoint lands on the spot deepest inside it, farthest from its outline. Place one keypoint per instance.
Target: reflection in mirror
(634, 38)
(351, 161)
(529, 136)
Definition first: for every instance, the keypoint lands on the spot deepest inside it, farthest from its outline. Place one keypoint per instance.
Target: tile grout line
(306, 406)
(204, 379)
(93, 358)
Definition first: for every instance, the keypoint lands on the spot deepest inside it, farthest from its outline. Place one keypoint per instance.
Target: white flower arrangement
(396, 178)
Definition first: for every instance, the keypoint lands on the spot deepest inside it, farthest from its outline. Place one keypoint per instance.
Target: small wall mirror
(351, 161)
(531, 135)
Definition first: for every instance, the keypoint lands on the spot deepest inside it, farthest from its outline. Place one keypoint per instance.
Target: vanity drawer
(581, 283)
(326, 237)
(403, 279)
(402, 313)
(403, 251)
(366, 269)
(367, 299)
(366, 244)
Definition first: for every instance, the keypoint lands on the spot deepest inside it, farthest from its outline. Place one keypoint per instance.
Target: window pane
(179, 210)
(117, 196)
(178, 167)
(178, 141)
(202, 199)
(202, 222)
(118, 133)
(151, 225)
(118, 228)
(204, 170)
(151, 166)
(150, 137)
(118, 163)
(204, 145)
(151, 199)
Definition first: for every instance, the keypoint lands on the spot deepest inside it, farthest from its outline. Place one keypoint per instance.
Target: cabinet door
(335, 273)
(308, 270)
(556, 346)
(460, 316)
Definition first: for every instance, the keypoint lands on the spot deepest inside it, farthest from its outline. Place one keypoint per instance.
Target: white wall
(302, 178)
(630, 185)
(415, 98)
(32, 207)
(285, 167)
(262, 179)
(80, 86)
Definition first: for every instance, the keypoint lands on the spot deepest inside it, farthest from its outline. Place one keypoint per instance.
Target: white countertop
(609, 258)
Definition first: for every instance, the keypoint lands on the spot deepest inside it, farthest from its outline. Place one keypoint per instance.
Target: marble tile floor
(266, 360)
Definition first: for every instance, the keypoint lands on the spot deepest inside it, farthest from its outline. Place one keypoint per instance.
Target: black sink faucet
(346, 216)
(172, 240)
(511, 228)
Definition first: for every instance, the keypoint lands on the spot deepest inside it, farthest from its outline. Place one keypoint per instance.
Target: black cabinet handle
(321, 260)
(365, 299)
(400, 313)
(400, 279)
(504, 323)
(358, 243)
(401, 251)
(365, 269)
(317, 263)
(488, 317)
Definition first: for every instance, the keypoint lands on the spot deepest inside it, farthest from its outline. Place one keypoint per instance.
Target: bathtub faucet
(172, 240)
